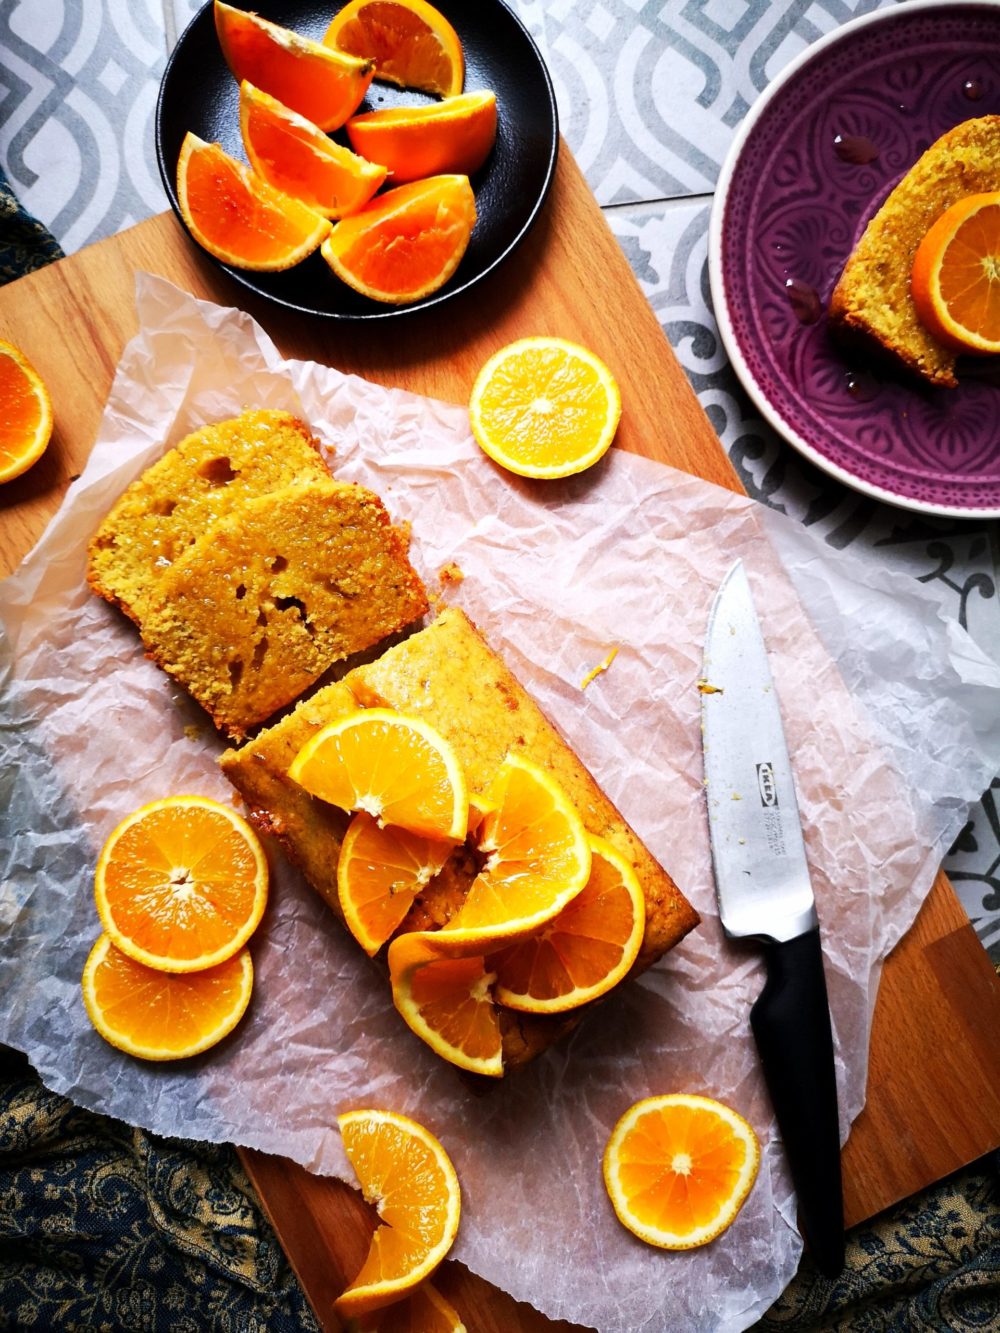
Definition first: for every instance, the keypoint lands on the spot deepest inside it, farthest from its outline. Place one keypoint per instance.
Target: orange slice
(237, 217)
(538, 859)
(584, 951)
(407, 1175)
(545, 407)
(161, 1015)
(447, 1002)
(324, 85)
(380, 871)
(25, 413)
(406, 243)
(411, 43)
(397, 769)
(293, 156)
(678, 1168)
(424, 1311)
(181, 884)
(956, 276)
(415, 141)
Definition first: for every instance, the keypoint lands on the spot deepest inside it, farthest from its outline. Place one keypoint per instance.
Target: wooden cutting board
(934, 1076)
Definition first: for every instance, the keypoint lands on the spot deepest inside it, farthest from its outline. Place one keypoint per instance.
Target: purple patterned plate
(814, 160)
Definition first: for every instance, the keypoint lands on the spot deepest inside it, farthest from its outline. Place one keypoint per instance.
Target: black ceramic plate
(199, 93)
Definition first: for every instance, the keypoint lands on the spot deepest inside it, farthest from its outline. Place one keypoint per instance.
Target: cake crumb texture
(194, 485)
(872, 298)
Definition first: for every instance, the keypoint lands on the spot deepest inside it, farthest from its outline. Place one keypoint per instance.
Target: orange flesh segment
(970, 280)
(25, 419)
(379, 874)
(406, 49)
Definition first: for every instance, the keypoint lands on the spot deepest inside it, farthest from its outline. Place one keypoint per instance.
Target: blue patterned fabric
(24, 243)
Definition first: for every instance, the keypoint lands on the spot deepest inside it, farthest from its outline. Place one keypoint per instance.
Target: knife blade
(765, 893)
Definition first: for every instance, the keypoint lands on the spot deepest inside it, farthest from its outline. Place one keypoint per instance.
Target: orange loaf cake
(872, 299)
(259, 606)
(447, 676)
(192, 486)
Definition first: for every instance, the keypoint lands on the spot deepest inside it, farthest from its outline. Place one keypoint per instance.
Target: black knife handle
(791, 1025)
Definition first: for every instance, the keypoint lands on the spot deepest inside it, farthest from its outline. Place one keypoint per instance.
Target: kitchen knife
(764, 891)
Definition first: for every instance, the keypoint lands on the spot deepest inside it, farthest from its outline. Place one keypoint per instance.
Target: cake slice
(195, 484)
(447, 675)
(872, 299)
(266, 600)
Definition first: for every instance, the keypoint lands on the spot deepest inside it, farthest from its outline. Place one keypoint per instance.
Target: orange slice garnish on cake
(294, 156)
(323, 84)
(408, 1177)
(395, 768)
(181, 884)
(236, 216)
(585, 950)
(159, 1015)
(411, 43)
(677, 1169)
(538, 859)
(380, 871)
(454, 136)
(406, 243)
(26, 417)
(956, 276)
(545, 407)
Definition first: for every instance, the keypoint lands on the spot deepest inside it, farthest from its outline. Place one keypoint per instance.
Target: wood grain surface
(934, 1074)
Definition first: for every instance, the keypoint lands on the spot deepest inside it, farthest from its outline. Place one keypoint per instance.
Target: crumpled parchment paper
(629, 555)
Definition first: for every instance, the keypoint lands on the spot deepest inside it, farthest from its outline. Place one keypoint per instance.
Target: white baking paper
(629, 555)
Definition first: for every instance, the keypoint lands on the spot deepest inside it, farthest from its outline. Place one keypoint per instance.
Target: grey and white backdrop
(650, 94)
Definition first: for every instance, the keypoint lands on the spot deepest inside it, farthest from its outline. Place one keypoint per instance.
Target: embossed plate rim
(717, 232)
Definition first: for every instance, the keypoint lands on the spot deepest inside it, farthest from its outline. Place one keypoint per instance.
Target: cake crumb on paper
(450, 573)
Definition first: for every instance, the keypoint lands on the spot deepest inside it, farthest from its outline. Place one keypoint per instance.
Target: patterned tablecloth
(650, 94)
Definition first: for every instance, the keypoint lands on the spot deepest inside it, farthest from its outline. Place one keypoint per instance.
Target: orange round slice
(293, 156)
(395, 768)
(25, 413)
(407, 243)
(237, 217)
(584, 951)
(956, 276)
(407, 1175)
(416, 141)
(678, 1168)
(424, 1311)
(412, 44)
(545, 407)
(380, 871)
(322, 84)
(181, 884)
(447, 1002)
(163, 1015)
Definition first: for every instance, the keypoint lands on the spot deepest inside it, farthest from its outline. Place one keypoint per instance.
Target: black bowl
(199, 93)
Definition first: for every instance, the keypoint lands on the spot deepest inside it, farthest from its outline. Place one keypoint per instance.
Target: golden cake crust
(194, 485)
(872, 299)
(447, 675)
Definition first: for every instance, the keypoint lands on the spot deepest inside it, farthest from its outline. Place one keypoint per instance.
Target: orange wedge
(324, 85)
(407, 1175)
(161, 1015)
(406, 243)
(237, 217)
(293, 156)
(956, 276)
(584, 951)
(397, 769)
(424, 1311)
(25, 413)
(181, 884)
(380, 871)
(545, 407)
(678, 1168)
(416, 141)
(411, 43)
